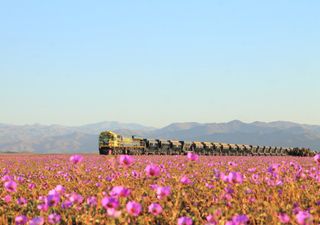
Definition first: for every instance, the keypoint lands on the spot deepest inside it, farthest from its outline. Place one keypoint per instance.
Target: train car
(208, 148)
(247, 150)
(254, 150)
(225, 148)
(187, 146)
(234, 150)
(152, 147)
(267, 151)
(176, 147)
(273, 151)
(198, 147)
(241, 149)
(278, 151)
(261, 150)
(164, 147)
(217, 148)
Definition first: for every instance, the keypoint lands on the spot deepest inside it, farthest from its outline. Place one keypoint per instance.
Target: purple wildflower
(10, 186)
(133, 208)
(125, 160)
(185, 180)
(192, 156)
(6, 178)
(211, 220)
(66, 204)
(120, 191)
(22, 201)
(76, 198)
(152, 170)
(21, 220)
(37, 221)
(54, 218)
(185, 221)
(52, 200)
(75, 159)
(31, 186)
(92, 201)
(163, 192)
(60, 189)
(284, 218)
(234, 177)
(303, 217)
(7, 198)
(155, 209)
(113, 213)
(110, 203)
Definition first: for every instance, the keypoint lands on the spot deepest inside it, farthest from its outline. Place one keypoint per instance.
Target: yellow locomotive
(112, 143)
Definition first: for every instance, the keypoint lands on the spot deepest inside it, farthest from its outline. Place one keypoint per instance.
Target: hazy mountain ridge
(70, 139)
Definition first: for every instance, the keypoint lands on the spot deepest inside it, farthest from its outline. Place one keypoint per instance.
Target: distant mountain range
(71, 139)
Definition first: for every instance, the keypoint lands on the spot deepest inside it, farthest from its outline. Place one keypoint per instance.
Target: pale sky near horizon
(157, 62)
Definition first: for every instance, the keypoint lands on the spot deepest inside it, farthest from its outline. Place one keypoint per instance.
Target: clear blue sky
(157, 62)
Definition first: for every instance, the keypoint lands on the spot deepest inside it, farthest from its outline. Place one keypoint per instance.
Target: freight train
(111, 143)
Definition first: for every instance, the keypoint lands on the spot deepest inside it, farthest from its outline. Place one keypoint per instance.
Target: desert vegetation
(192, 189)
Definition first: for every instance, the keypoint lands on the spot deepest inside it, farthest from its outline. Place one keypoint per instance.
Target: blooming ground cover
(93, 189)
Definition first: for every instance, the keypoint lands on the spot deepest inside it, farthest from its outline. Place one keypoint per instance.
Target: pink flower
(60, 189)
(185, 180)
(22, 201)
(31, 186)
(120, 191)
(152, 170)
(10, 186)
(6, 178)
(75, 159)
(92, 201)
(52, 200)
(273, 168)
(20, 220)
(185, 221)
(192, 156)
(163, 192)
(19, 179)
(75, 198)
(54, 218)
(43, 207)
(304, 218)
(110, 203)
(133, 208)
(284, 218)
(317, 158)
(211, 220)
(37, 221)
(155, 209)
(7, 198)
(234, 177)
(113, 213)
(125, 160)
(240, 219)
(153, 186)
(66, 204)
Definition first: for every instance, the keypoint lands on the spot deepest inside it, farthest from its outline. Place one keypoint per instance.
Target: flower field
(183, 190)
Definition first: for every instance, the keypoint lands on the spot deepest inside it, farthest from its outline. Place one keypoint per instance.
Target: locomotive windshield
(105, 138)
